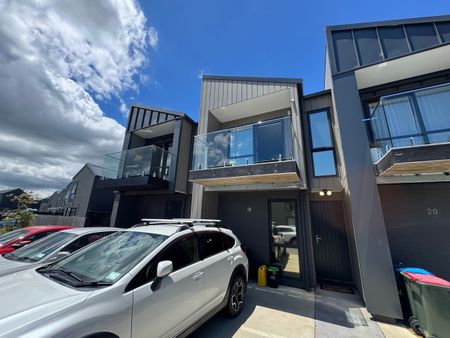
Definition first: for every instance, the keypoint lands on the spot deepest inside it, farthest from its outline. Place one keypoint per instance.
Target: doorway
(284, 238)
(331, 254)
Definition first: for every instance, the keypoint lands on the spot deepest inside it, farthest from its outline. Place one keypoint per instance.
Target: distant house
(82, 198)
(5, 198)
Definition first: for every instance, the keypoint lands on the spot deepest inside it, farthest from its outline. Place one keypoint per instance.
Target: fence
(59, 220)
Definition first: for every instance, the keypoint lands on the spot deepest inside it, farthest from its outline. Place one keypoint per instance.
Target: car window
(39, 250)
(37, 236)
(112, 258)
(10, 236)
(229, 241)
(85, 240)
(182, 252)
(211, 243)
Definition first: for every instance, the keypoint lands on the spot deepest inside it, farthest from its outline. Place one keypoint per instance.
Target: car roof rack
(183, 223)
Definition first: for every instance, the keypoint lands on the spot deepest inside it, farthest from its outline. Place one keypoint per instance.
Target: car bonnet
(29, 299)
(8, 266)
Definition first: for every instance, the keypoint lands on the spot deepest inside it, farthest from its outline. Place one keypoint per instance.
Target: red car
(18, 238)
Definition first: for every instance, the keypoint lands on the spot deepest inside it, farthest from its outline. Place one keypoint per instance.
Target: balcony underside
(261, 173)
(424, 159)
(133, 183)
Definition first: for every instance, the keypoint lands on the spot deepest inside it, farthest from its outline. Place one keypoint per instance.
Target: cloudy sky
(58, 60)
(69, 69)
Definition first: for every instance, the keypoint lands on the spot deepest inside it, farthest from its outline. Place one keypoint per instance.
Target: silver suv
(159, 280)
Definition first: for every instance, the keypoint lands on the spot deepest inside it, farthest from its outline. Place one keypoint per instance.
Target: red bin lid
(427, 279)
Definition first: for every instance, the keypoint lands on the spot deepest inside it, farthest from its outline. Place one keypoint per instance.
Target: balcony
(259, 153)
(137, 169)
(411, 132)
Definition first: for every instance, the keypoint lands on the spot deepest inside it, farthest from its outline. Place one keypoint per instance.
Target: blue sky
(251, 37)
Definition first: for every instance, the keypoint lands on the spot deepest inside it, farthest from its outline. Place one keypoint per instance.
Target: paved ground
(289, 312)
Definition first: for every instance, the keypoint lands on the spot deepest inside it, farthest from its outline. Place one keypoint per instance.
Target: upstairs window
(322, 145)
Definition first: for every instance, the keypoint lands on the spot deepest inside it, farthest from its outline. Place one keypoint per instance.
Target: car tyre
(293, 241)
(236, 296)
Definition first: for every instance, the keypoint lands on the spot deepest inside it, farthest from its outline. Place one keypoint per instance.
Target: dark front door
(331, 254)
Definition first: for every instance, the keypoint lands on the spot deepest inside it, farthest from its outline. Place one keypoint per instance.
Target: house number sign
(432, 211)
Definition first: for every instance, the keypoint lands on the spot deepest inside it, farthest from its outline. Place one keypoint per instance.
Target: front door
(331, 254)
(284, 238)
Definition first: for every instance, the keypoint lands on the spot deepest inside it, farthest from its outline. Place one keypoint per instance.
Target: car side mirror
(163, 269)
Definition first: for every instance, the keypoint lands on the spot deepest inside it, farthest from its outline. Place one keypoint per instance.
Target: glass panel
(439, 137)
(324, 164)
(344, 50)
(400, 117)
(393, 41)
(144, 161)
(421, 36)
(444, 30)
(269, 142)
(434, 105)
(320, 130)
(368, 46)
(241, 146)
(259, 142)
(378, 121)
(285, 253)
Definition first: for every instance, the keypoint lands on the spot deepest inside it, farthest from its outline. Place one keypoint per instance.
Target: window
(393, 41)
(211, 243)
(322, 145)
(85, 240)
(182, 252)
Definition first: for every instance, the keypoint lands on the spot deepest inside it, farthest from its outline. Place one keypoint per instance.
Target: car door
(178, 302)
(219, 264)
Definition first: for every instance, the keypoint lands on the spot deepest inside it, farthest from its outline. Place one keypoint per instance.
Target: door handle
(317, 239)
(197, 275)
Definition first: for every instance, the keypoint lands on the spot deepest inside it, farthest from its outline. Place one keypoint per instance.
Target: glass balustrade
(145, 161)
(265, 141)
(409, 119)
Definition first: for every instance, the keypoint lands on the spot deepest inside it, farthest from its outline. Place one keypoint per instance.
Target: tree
(22, 215)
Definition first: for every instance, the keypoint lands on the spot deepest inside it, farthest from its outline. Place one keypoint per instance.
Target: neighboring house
(360, 171)
(149, 176)
(82, 197)
(5, 198)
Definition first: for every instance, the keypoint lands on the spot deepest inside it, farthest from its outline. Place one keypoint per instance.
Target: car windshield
(10, 236)
(106, 261)
(41, 249)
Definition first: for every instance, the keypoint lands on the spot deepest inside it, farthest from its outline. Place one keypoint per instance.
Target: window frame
(332, 147)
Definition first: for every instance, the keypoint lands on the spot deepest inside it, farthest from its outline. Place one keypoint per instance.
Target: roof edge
(253, 78)
(393, 22)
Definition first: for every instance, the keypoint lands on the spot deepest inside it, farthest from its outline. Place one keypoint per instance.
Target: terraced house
(341, 184)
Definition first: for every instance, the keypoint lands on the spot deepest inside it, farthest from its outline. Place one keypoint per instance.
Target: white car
(151, 281)
(51, 248)
(286, 233)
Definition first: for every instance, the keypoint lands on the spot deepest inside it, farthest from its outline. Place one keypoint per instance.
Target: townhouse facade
(82, 197)
(342, 184)
(337, 186)
(149, 176)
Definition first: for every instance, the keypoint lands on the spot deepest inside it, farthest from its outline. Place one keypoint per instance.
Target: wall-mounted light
(325, 192)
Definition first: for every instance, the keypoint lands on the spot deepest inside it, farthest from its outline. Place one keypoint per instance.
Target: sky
(69, 70)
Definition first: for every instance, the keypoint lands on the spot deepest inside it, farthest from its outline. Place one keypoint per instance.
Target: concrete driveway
(290, 312)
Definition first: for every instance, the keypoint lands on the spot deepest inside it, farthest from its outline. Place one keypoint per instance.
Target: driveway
(290, 312)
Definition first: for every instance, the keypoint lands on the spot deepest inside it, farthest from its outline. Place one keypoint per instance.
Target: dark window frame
(322, 149)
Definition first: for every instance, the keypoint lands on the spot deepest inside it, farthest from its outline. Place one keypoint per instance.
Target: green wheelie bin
(429, 298)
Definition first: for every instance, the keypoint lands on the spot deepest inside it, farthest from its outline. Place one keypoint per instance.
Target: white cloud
(153, 37)
(56, 58)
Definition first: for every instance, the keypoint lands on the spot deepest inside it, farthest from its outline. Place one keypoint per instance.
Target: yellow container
(262, 276)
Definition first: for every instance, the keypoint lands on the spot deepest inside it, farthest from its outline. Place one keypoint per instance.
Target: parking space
(290, 312)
